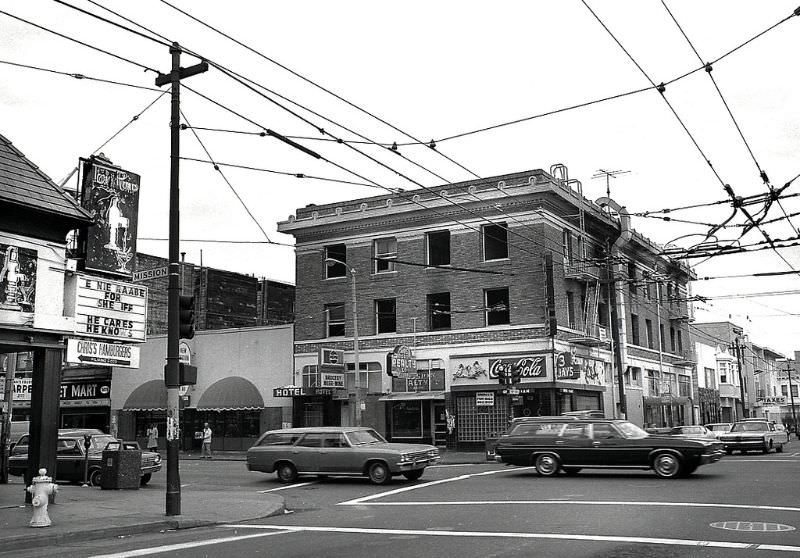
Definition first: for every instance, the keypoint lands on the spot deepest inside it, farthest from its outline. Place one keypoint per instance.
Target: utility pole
(355, 350)
(171, 376)
(788, 370)
(614, 319)
(741, 377)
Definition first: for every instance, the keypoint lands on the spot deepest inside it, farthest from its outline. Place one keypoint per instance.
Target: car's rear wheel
(572, 471)
(95, 477)
(546, 465)
(286, 472)
(414, 475)
(379, 473)
(145, 479)
(666, 465)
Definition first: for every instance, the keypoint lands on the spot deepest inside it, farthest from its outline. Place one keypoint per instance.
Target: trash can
(121, 469)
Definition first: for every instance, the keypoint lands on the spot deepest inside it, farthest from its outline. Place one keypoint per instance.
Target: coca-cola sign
(527, 366)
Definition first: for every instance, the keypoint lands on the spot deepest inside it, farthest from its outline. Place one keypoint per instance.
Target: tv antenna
(600, 173)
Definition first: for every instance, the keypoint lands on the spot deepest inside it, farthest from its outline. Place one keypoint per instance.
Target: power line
(78, 76)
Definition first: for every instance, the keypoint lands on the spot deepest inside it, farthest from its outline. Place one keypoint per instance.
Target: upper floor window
(648, 326)
(632, 277)
(335, 261)
(385, 252)
(680, 342)
(635, 329)
(711, 380)
(438, 245)
(672, 339)
(571, 310)
(723, 372)
(661, 337)
(566, 241)
(497, 306)
(386, 315)
(334, 318)
(495, 242)
(439, 311)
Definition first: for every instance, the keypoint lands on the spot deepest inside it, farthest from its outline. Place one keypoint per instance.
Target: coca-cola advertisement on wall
(526, 366)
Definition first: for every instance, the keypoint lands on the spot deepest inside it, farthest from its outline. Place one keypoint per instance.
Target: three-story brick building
(475, 279)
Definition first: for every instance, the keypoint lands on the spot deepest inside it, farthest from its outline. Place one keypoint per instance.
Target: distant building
(275, 302)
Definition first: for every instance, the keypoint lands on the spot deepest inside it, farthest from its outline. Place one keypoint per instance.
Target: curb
(24, 542)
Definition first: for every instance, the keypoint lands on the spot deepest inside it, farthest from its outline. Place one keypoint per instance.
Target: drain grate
(758, 526)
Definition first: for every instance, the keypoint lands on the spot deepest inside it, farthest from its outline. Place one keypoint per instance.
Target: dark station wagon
(335, 451)
(569, 444)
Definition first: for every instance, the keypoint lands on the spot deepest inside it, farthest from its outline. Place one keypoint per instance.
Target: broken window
(495, 242)
(335, 261)
(386, 315)
(334, 316)
(497, 306)
(438, 248)
(439, 311)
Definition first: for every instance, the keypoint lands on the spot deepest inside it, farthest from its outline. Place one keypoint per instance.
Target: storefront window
(430, 377)
(407, 419)
(476, 423)
(369, 377)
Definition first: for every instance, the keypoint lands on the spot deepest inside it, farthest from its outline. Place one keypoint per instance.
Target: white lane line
(546, 536)
(359, 501)
(768, 461)
(460, 465)
(297, 485)
(184, 546)
(587, 503)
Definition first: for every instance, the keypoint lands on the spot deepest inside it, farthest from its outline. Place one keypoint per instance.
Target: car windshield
(750, 427)
(724, 427)
(99, 443)
(361, 437)
(630, 430)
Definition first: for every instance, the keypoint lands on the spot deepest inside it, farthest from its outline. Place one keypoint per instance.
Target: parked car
(752, 435)
(719, 428)
(692, 431)
(594, 413)
(781, 428)
(71, 454)
(553, 444)
(337, 451)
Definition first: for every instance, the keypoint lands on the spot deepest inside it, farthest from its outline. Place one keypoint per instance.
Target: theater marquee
(110, 309)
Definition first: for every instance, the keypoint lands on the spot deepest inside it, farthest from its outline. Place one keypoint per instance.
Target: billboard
(111, 195)
(17, 279)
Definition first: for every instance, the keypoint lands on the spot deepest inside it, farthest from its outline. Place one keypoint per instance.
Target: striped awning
(150, 396)
(412, 395)
(231, 394)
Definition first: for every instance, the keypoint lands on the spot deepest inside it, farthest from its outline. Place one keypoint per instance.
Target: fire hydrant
(41, 489)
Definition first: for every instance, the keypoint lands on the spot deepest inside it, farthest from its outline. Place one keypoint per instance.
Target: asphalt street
(740, 506)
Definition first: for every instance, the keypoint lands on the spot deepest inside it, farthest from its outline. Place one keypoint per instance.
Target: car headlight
(433, 453)
(405, 457)
(158, 459)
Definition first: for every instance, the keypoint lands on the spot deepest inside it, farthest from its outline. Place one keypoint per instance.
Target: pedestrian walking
(205, 451)
(152, 437)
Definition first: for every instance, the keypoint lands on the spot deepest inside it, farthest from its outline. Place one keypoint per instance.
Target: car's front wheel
(286, 472)
(145, 479)
(379, 473)
(413, 475)
(95, 477)
(546, 465)
(666, 465)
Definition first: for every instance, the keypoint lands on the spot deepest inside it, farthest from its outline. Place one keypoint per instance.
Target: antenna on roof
(600, 173)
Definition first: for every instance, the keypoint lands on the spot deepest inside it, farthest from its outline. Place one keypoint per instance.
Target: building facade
(460, 284)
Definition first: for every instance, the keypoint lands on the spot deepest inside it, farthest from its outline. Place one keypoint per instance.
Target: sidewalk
(82, 514)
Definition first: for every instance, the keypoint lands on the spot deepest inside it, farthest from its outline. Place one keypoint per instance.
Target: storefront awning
(150, 396)
(231, 394)
(409, 395)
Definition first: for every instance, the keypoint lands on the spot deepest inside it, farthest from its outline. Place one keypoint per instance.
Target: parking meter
(87, 443)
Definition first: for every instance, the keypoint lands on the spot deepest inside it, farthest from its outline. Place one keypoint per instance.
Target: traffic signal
(504, 375)
(186, 313)
(516, 375)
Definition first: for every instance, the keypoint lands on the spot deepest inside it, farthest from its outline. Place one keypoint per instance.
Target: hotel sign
(110, 309)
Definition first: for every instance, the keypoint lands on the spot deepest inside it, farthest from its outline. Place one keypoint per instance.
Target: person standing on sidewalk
(205, 451)
(152, 438)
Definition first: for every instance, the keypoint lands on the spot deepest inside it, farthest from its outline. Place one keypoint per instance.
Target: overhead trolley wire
(76, 75)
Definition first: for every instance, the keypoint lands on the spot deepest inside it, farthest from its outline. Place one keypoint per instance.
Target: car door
(336, 455)
(69, 460)
(573, 444)
(609, 447)
(305, 453)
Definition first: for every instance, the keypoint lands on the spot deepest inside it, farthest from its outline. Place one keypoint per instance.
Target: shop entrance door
(440, 424)
(313, 414)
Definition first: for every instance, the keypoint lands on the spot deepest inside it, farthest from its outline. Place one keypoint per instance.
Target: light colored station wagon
(337, 451)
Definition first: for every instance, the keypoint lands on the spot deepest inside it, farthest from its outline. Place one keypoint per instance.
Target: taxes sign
(110, 309)
(99, 353)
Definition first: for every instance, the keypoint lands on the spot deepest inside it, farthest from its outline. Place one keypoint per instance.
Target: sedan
(337, 451)
(719, 428)
(692, 432)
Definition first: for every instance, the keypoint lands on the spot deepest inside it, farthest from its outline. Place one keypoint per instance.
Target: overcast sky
(434, 70)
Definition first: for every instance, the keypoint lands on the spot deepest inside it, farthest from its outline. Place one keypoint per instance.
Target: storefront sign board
(484, 399)
(401, 363)
(331, 380)
(527, 366)
(110, 309)
(99, 353)
(332, 358)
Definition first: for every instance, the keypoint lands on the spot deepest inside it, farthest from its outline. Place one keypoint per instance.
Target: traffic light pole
(173, 496)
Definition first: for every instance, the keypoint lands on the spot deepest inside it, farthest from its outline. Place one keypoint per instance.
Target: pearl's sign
(110, 309)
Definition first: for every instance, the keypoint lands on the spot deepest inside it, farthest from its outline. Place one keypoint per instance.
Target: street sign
(513, 391)
(99, 353)
(153, 273)
(184, 353)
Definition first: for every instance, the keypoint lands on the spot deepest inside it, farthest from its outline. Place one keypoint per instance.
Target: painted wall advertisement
(571, 367)
(111, 194)
(110, 309)
(531, 368)
(17, 279)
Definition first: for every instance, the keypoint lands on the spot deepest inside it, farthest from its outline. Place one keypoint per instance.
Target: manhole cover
(752, 526)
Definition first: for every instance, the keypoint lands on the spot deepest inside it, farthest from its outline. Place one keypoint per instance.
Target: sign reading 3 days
(110, 309)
